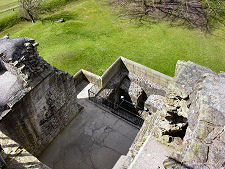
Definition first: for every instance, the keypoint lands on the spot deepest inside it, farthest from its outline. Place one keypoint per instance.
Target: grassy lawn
(6, 4)
(11, 17)
(8, 19)
(93, 37)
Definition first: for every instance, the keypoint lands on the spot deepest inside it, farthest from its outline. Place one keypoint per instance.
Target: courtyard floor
(95, 139)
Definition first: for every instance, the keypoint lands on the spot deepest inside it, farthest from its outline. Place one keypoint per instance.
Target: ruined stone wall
(47, 97)
(192, 120)
(39, 116)
(37, 101)
(199, 95)
(23, 70)
(134, 80)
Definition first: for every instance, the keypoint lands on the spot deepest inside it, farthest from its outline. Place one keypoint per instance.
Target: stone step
(151, 155)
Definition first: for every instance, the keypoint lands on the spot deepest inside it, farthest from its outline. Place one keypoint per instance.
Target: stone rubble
(154, 102)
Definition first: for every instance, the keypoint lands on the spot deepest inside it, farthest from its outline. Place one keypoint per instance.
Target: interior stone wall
(113, 70)
(147, 73)
(41, 114)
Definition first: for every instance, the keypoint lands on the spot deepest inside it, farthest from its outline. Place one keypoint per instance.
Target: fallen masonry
(130, 117)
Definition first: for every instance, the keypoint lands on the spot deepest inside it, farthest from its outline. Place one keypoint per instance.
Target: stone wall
(39, 116)
(148, 73)
(37, 101)
(47, 97)
(192, 120)
(137, 78)
(201, 96)
(112, 71)
(23, 70)
(123, 64)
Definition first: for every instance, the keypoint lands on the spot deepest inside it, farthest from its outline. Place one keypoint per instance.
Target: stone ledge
(17, 157)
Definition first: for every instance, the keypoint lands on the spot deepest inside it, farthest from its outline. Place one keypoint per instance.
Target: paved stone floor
(95, 139)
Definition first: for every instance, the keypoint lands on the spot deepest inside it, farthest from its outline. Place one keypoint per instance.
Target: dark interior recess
(178, 133)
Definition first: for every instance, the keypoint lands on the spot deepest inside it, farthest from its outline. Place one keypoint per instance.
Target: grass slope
(8, 19)
(6, 4)
(92, 38)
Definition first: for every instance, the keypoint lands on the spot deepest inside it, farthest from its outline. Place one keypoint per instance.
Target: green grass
(53, 5)
(6, 4)
(93, 37)
(8, 19)
(11, 17)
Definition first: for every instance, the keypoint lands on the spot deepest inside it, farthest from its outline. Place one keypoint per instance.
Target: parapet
(21, 69)
(36, 100)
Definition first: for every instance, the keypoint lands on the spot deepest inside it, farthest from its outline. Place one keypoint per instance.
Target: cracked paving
(95, 139)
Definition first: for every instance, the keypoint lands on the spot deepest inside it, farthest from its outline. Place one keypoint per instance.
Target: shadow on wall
(2, 68)
(175, 161)
(10, 158)
(121, 96)
(2, 71)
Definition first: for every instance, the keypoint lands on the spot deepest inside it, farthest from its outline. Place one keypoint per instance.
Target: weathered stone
(136, 93)
(28, 44)
(193, 115)
(154, 102)
(36, 44)
(35, 103)
(187, 74)
(205, 112)
(177, 140)
(165, 139)
(170, 108)
(216, 153)
(6, 36)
